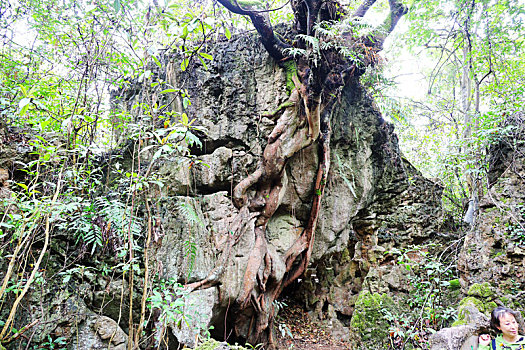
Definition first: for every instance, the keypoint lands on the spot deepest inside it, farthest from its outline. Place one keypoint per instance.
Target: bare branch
(261, 22)
(397, 10)
(363, 8)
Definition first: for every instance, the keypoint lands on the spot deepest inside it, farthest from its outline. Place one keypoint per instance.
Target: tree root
(263, 281)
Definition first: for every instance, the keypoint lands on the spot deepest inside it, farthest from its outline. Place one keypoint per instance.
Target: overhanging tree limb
(261, 22)
(363, 8)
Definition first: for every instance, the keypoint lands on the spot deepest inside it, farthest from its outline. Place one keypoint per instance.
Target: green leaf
(227, 33)
(157, 62)
(22, 185)
(117, 6)
(166, 91)
(195, 23)
(203, 63)
(157, 154)
(24, 105)
(186, 102)
(184, 33)
(205, 55)
(23, 90)
(145, 149)
(184, 64)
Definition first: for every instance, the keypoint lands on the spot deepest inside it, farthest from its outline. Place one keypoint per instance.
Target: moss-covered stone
(463, 311)
(368, 319)
(490, 306)
(472, 301)
(483, 290)
(485, 307)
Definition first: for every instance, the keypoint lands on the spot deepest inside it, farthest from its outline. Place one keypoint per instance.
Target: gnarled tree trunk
(302, 121)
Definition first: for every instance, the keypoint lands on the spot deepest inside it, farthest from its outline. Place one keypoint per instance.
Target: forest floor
(295, 330)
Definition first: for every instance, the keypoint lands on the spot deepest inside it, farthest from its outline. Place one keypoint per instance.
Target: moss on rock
(454, 284)
(291, 70)
(463, 313)
(368, 319)
(483, 290)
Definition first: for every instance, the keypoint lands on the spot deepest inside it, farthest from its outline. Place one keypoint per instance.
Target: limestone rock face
(69, 317)
(375, 203)
(199, 309)
(187, 249)
(494, 249)
(374, 200)
(377, 208)
(492, 259)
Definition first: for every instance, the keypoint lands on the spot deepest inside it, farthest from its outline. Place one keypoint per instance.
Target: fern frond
(327, 29)
(327, 45)
(190, 214)
(311, 40)
(351, 185)
(294, 52)
(190, 252)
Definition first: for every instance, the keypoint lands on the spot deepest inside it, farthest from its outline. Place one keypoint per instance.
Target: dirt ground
(300, 333)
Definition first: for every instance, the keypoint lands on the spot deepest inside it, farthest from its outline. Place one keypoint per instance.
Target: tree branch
(261, 22)
(397, 10)
(363, 8)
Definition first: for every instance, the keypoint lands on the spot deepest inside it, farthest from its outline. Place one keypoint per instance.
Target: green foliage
(368, 317)
(169, 297)
(54, 97)
(282, 327)
(212, 344)
(54, 344)
(432, 294)
(190, 245)
(516, 230)
(472, 59)
(341, 37)
(480, 296)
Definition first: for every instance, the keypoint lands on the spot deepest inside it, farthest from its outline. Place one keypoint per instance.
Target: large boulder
(464, 337)
(375, 200)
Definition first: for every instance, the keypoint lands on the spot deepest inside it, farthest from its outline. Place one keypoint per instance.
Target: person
(503, 319)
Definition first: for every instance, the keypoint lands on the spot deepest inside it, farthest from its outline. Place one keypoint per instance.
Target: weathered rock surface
(66, 315)
(199, 311)
(462, 337)
(100, 332)
(375, 200)
(492, 259)
(494, 249)
(377, 208)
